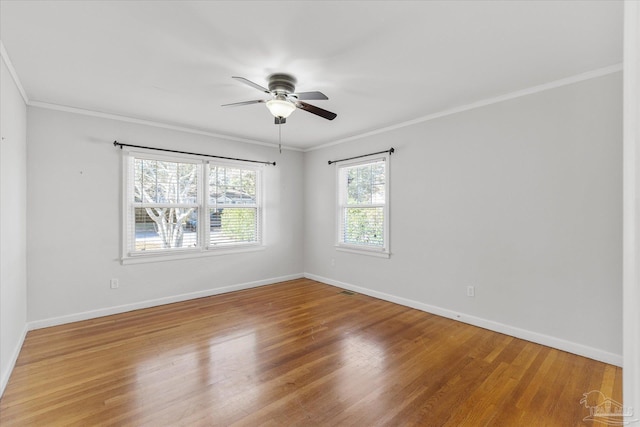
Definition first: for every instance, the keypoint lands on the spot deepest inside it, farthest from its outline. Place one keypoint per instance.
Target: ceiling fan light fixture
(281, 107)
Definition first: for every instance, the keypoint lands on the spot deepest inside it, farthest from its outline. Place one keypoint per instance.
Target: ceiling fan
(284, 99)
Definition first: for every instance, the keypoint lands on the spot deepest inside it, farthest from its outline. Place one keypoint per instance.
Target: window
(182, 206)
(233, 209)
(363, 208)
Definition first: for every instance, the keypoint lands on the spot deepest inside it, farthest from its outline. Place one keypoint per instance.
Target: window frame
(341, 191)
(203, 247)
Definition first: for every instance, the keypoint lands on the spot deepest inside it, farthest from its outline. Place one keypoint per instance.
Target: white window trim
(384, 252)
(193, 253)
(204, 249)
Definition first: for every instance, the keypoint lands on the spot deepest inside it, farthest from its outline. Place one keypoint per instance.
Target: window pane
(231, 186)
(165, 228)
(365, 183)
(233, 225)
(158, 181)
(364, 226)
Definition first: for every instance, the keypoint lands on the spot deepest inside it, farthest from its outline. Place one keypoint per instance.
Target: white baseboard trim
(86, 315)
(547, 340)
(6, 374)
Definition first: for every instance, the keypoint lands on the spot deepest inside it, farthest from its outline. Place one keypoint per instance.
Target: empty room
(319, 213)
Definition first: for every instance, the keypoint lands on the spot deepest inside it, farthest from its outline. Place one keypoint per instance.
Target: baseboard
(550, 341)
(547, 340)
(6, 374)
(86, 315)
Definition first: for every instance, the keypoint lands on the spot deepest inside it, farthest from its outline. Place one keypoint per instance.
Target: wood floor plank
(297, 353)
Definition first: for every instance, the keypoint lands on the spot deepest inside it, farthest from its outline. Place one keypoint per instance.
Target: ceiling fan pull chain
(280, 134)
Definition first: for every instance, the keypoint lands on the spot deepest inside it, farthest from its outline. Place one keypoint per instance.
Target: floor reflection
(359, 351)
(213, 372)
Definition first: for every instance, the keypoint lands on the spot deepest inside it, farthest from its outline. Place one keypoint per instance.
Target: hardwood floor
(295, 353)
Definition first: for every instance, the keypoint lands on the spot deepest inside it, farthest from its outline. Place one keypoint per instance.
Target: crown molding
(153, 123)
(12, 71)
(482, 103)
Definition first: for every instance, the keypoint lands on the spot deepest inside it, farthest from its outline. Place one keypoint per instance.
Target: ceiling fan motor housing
(282, 83)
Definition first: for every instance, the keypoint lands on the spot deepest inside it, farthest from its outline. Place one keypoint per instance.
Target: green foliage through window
(364, 226)
(236, 225)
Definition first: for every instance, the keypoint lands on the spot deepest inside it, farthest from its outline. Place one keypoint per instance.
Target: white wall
(521, 199)
(74, 176)
(13, 213)
(631, 211)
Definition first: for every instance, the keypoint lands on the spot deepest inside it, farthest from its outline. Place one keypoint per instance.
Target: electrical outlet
(114, 284)
(471, 291)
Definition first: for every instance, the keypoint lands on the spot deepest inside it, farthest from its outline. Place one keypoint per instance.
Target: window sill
(370, 252)
(162, 257)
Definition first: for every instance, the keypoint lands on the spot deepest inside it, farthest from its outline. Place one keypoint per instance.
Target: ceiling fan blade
(316, 110)
(310, 95)
(252, 84)
(237, 104)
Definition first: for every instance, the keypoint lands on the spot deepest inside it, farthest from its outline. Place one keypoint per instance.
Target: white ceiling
(379, 62)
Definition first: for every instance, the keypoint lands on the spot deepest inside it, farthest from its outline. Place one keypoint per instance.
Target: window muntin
(182, 205)
(363, 205)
